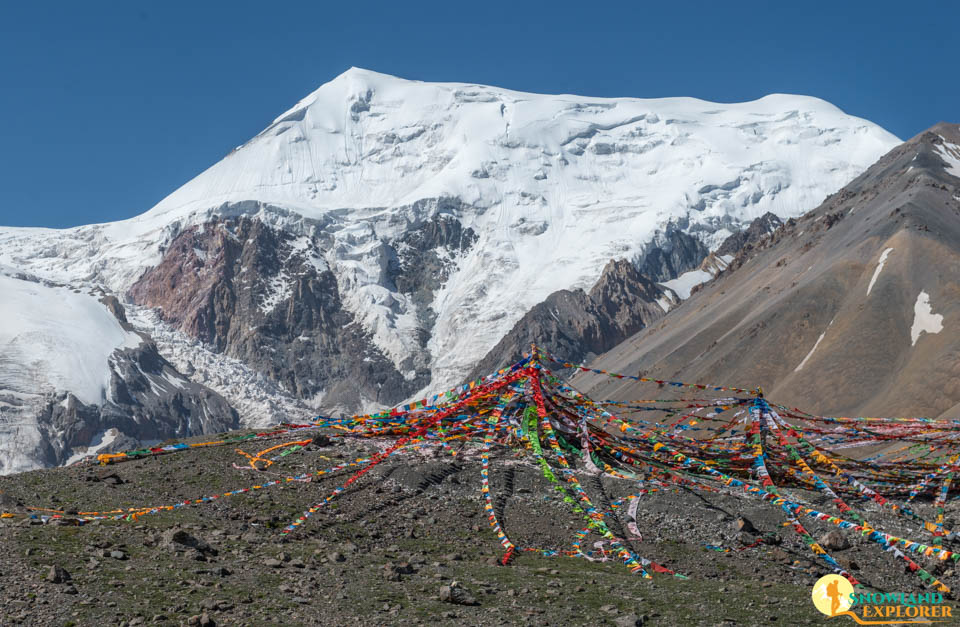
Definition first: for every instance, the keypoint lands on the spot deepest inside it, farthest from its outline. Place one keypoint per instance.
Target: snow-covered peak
(372, 140)
(353, 80)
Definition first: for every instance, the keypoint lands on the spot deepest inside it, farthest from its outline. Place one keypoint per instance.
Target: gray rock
(743, 524)
(392, 575)
(8, 503)
(781, 556)
(670, 254)
(745, 538)
(178, 539)
(628, 620)
(457, 595)
(937, 568)
(834, 541)
(110, 478)
(57, 574)
(758, 229)
(848, 564)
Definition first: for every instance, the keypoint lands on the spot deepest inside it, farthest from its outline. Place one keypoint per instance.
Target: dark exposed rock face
(267, 297)
(625, 300)
(576, 324)
(421, 263)
(758, 229)
(242, 288)
(672, 253)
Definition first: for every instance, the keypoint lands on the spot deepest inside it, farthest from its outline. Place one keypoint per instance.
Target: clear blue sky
(106, 107)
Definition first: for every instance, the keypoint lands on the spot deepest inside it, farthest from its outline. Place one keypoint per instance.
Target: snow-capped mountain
(382, 235)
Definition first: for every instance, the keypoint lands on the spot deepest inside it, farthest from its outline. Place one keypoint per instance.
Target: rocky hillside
(409, 545)
(850, 309)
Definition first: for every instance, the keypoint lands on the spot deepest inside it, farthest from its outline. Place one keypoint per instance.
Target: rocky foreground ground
(407, 544)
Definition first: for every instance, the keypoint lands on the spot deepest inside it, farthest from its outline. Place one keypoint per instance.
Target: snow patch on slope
(303, 247)
(876, 272)
(97, 444)
(924, 320)
(812, 350)
(278, 291)
(950, 153)
(810, 354)
(684, 284)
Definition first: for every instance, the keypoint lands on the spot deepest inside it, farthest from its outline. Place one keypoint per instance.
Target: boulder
(178, 539)
(321, 440)
(58, 574)
(834, 541)
(457, 595)
(743, 524)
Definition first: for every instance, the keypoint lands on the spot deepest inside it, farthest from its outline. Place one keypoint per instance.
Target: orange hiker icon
(834, 594)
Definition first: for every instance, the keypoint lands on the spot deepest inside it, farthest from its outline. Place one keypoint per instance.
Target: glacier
(55, 338)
